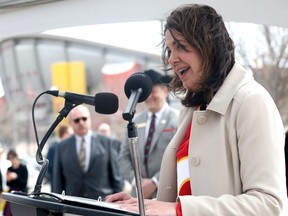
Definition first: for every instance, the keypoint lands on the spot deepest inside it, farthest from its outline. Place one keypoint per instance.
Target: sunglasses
(77, 120)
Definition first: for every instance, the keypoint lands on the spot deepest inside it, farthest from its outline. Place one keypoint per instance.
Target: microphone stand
(69, 105)
(133, 137)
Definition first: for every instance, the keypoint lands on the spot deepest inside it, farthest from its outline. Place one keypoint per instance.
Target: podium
(24, 205)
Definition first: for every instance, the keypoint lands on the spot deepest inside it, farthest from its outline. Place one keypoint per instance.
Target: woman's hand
(152, 207)
(118, 197)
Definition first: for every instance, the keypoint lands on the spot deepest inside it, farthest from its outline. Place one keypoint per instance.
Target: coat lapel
(141, 127)
(74, 152)
(96, 150)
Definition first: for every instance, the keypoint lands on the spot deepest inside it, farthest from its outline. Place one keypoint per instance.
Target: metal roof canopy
(60, 14)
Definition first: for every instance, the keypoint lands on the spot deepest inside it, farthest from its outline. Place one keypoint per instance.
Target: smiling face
(184, 60)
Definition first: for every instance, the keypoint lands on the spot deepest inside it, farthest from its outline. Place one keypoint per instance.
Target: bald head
(80, 120)
(105, 129)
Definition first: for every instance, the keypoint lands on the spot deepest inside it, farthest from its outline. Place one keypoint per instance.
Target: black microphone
(105, 103)
(137, 88)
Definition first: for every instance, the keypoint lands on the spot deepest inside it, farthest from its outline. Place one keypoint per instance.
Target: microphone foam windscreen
(136, 81)
(106, 103)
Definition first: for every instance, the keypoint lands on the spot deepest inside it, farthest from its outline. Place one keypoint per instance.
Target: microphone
(137, 88)
(105, 103)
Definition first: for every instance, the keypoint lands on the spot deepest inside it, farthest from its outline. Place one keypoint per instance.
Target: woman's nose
(173, 58)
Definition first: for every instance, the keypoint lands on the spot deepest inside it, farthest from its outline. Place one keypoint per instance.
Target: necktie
(148, 142)
(82, 155)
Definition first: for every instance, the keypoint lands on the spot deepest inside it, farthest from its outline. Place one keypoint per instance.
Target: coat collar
(237, 77)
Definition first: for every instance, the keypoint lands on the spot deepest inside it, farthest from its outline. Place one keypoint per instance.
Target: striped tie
(148, 142)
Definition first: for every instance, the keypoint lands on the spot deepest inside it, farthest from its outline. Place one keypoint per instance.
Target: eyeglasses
(77, 120)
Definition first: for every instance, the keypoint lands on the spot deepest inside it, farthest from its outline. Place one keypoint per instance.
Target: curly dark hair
(204, 30)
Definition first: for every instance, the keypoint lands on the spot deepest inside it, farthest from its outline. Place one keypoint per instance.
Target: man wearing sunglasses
(85, 163)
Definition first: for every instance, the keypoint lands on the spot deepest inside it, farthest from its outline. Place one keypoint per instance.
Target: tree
(268, 62)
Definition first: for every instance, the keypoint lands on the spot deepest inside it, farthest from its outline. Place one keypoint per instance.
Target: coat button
(202, 119)
(195, 161)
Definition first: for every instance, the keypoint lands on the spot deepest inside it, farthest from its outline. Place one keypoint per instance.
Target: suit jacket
(164, 131)
(236, 153)
(50, 157)
(102, 177)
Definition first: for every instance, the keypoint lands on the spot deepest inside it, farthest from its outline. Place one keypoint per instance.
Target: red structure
(114, 78)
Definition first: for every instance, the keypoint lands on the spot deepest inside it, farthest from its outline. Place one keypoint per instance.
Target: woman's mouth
(183, 71)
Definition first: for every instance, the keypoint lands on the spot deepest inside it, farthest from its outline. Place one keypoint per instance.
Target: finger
(113, 198)
(130, 207)
(116, 197)
(131, 201)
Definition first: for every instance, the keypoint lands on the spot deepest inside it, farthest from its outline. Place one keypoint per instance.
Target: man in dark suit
(151, 152)
(86, 163)
(64, 132)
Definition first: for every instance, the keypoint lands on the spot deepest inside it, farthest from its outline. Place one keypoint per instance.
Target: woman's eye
(168, 53)
(180, 46)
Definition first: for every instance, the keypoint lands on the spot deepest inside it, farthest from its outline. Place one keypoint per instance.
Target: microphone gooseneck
(137, 88)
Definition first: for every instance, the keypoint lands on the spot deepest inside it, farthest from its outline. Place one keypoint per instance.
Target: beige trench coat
(236, 153)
